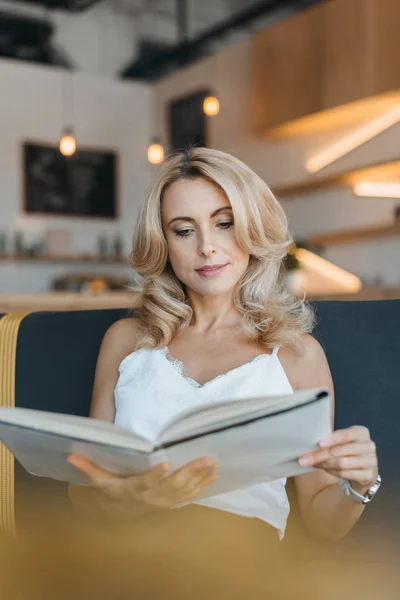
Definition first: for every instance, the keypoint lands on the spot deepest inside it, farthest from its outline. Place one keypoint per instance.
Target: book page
(45, 454)
(74, 428)
(211, 416)
(260, 450)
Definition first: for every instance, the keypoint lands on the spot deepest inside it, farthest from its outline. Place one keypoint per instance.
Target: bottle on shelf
(3, 243)
(19, 247)
(118, 246)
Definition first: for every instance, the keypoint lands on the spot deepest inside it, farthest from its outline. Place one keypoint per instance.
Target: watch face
(376, 486)
(372, 491)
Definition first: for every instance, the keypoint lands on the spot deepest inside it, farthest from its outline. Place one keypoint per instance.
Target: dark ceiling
(154, 62)
(73, 5)
(29, 38)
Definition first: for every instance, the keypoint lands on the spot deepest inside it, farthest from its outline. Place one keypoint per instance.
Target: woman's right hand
(153, 489)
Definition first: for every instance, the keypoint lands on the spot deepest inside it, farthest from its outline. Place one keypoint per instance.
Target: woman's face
(198, 224)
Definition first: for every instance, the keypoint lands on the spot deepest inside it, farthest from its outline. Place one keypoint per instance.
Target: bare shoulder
(120, 338)
(122, 330)
(118, 341)
(311, 353)
(309, 368)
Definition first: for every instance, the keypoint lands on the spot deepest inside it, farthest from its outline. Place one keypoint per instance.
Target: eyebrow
(214, 214)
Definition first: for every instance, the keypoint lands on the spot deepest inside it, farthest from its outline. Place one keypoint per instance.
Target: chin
(213, 288)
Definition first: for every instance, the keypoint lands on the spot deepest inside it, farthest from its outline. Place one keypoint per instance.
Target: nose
(206, 246)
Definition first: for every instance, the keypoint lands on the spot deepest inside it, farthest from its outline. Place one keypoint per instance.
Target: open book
(252, 439)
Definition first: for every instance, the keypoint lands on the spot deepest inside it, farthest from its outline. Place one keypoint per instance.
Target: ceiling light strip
(353, 141)
(323, 267)
(377, 190)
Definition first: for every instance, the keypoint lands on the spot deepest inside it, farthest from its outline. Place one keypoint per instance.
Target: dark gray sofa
(56, 357)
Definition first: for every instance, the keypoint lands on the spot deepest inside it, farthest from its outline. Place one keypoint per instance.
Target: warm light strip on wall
(353, 141)
(377, 190)
(323, 267)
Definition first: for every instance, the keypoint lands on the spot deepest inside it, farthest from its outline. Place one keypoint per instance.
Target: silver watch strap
(346, 488)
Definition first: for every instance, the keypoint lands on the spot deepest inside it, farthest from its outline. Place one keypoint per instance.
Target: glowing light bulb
(211, 106)
(155, 153)
(68, 144)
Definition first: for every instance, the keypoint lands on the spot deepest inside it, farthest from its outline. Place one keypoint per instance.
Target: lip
(211, 270)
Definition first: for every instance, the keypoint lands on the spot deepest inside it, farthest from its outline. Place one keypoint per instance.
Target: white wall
(282, 162)
(108, 115)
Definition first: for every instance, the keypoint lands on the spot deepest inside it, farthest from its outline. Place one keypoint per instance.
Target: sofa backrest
(362, 343)
(56, 358)
(57, 352)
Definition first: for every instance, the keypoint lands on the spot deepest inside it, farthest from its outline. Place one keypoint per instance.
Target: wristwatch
(346, 488)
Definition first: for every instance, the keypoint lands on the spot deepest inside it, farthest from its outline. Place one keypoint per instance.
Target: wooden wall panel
(386, 27)
(333, 54)
(287, 69)
(347, 74)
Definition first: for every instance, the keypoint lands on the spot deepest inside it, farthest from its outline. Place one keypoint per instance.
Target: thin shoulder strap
(275, 350)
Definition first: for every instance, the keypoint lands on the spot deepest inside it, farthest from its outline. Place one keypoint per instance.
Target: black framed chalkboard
(84, 184)
(187, 121)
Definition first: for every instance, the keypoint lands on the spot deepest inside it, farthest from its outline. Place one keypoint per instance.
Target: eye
(183, 232)
(225, 224)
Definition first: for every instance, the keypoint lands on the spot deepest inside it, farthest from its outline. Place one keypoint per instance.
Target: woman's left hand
(349, 454)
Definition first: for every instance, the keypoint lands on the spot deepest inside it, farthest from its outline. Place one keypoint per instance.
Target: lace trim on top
(179, 366)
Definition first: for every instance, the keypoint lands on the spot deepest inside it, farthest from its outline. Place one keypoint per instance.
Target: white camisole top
(152, 387)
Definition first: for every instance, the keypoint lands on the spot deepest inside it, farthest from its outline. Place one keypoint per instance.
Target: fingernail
(210, 475)
(207, 470)
(164, 468)
(304, 461)
(323, 443)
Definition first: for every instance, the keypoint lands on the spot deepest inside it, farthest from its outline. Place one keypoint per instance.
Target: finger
(182, 476)
(361, 477)
(177, 483)
(171, 491)
(344, 463)
(351, 449)
(201, 485)
(173, 488)
(197, 464)
(98, 477)
(312, 458)
(198, 482)
(354, 449)
(153, 477)
(343, 436)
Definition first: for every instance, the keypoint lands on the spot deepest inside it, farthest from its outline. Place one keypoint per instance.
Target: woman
(215, 322)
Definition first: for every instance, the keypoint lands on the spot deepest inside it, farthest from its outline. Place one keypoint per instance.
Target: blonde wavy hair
(270, 314)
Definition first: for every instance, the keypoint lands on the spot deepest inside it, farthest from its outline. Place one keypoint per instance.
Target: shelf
(63, 300)
(336, 238)
(367, 292)
(376, 172)
(65, 259)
